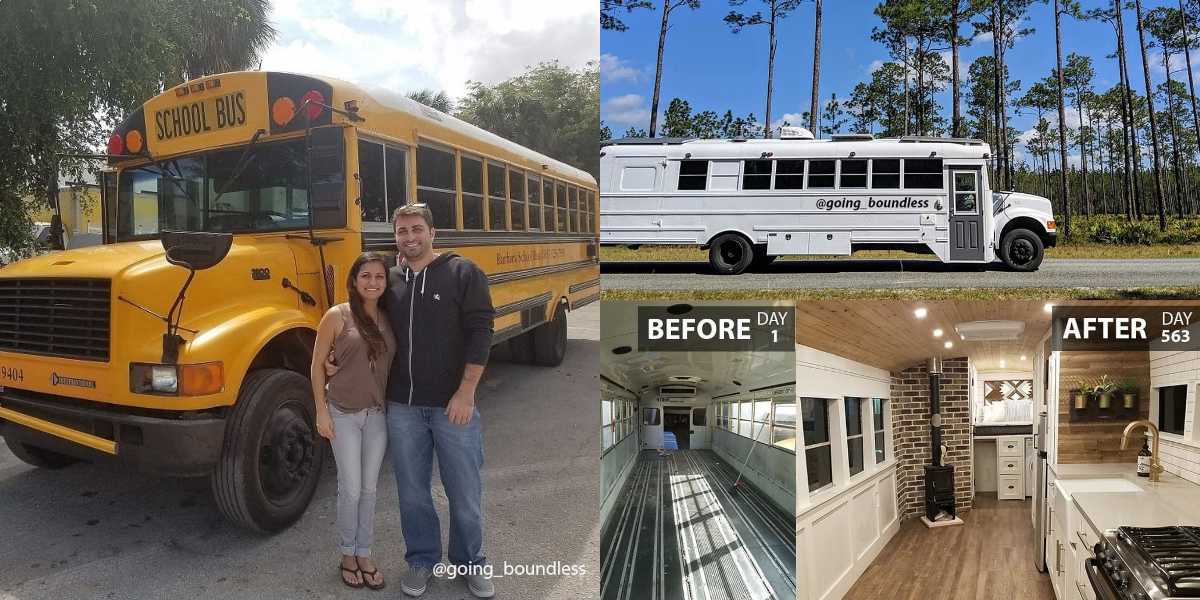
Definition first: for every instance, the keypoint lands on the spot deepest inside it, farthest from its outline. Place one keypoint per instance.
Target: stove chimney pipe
(935, 410)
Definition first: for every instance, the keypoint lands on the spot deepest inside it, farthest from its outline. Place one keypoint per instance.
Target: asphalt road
(891, 273)
(99, 532)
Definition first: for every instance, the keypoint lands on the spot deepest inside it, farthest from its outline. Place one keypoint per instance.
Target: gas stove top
(1147, 563)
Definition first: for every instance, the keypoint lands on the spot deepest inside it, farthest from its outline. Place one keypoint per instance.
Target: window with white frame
(818, 450)
(854, 434)
(783, 430)
(616, 421)
(761, 430)
(878, 423)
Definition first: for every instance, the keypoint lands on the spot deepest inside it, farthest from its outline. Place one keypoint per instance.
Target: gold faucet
(1155, 466)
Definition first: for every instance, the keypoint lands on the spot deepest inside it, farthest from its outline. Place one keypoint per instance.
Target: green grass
(931, 294)
(1088, 250)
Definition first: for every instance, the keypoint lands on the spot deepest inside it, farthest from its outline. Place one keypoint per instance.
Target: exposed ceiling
(719, 372)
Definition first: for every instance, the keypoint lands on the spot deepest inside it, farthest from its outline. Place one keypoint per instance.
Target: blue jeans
(359, 443)
(415, 433)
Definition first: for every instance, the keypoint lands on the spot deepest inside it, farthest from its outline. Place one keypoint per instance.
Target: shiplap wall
(1179, 454)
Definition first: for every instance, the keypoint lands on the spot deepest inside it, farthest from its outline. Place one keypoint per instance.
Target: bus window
(370, 181)
(693, 174)
(885, 174)
(561, 203)
(516, 188)
(591, 212)
(854, 174)
(547, 204)
(923, 173)
(966, 200)
(820, 173)
(789, 175)
(572, 209)
(783, 425)
(756, 175)
(535, 203)
(699, 416)
(472, 192)
(436, 185)
(637, 179)
(396, 178)
(497, 197)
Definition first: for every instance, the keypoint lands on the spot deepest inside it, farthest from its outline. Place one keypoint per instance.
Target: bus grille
(55, 317)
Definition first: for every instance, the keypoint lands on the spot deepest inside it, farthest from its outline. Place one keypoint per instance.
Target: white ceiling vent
(986, 331)
(686, 378)
(795, 133)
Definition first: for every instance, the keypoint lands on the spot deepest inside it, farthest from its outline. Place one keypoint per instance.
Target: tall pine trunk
(1187, 53)
(1158, 191)
(1175, 168)
(662, 43)
(997, 78)
(1129, 151)
(956, 118)
(1062, 126)
(816, 78)
(770, 77)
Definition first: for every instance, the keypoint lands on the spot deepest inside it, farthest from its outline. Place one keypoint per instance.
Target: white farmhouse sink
(1107, 485)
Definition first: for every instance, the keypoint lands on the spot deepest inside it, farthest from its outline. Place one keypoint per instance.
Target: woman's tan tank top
(359, 383)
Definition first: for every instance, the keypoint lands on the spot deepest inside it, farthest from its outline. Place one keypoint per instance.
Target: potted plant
(1129, 392)
(1079, 393)
(1102, 389)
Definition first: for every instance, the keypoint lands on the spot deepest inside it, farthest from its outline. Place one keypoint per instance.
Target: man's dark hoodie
(442, 319)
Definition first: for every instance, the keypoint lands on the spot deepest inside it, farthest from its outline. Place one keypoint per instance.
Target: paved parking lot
(98, 532)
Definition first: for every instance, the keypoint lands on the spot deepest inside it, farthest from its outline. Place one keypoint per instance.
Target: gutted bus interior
(698, 470)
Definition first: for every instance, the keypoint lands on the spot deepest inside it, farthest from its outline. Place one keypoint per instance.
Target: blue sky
(715, 69)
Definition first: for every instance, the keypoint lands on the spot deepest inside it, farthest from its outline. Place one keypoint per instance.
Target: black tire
(520, 348)
(550, 340)
(761, 258)
(39, 457)
(1022, 250)
(271, 458)
(730, 254)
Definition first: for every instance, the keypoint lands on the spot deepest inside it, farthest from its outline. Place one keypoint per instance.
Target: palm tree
(1158, 194)
(230, 37)
(816, 84)
(776, 10)
(436, 100)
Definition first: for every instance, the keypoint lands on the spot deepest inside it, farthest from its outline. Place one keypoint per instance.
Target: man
(441, 312)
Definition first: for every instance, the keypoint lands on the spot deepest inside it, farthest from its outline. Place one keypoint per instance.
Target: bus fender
(714, 236)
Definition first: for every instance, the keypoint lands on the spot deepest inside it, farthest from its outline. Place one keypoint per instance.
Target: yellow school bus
(233, 207)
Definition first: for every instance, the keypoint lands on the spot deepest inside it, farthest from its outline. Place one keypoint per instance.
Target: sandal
(352, 572)
(382, 584)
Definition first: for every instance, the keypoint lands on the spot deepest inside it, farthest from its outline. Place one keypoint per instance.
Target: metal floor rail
(679, 532)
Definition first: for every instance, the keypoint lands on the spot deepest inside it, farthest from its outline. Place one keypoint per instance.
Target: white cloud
(614, 68)
(875, 65)
(405, 46)
(629, 109)
(982, 38)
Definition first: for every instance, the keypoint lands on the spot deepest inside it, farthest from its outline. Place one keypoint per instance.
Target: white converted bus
(749, 201)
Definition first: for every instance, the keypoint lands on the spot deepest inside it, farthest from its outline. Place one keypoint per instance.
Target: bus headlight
(176, 380)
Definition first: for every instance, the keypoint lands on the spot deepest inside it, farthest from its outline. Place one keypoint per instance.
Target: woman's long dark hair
(367, 327)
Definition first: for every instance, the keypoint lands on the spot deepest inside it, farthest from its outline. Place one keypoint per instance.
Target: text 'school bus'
(255, 192)
(748, 201)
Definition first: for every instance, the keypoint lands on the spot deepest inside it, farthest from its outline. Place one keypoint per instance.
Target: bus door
(652, 426)
(699, 432)
(966, 216)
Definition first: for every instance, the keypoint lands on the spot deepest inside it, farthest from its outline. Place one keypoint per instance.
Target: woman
(350, 411)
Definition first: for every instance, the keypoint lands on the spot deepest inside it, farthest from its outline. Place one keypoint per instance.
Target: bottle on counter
(1143, 465)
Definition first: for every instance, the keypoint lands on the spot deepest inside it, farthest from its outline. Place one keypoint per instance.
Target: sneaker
(480, 585)
(415, 581)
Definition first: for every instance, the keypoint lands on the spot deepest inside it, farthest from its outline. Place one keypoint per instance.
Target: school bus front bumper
(155, 442)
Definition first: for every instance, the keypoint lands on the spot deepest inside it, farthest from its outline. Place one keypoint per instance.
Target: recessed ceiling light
(1023, 357)
(622, 350)
(1003, 364)
(679, 309)
(938, 332)
(948, 344)
(1049, 307)
(921, 312)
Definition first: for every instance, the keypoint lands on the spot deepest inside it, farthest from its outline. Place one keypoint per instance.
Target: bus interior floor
(680, 530)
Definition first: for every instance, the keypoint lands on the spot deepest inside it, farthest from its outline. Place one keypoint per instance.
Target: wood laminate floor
(988, 557)
(680, 532)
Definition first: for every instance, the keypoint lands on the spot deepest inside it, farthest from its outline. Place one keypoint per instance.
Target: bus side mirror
(326, 176)
(194, 250)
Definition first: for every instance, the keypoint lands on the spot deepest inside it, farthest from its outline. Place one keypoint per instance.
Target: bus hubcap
(286, 456)
(731, 253)
(1022, 252)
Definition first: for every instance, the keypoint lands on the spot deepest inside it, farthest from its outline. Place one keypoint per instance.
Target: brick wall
(910, 418)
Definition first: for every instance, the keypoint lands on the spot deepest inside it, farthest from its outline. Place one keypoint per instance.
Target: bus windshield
(213, 192)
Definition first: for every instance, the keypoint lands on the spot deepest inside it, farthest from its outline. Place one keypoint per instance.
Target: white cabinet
(1058, 558)
(1010, 467)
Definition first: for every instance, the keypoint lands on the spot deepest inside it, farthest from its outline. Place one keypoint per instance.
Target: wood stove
(939, 492)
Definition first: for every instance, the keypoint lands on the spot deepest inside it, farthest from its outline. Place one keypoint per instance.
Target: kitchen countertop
(1171, 501)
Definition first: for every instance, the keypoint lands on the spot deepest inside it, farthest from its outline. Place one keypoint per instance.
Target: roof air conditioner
(986, 331)
(795, 133)
(677, 391)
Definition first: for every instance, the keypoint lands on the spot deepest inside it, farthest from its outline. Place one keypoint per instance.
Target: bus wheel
(761, 258)
(520, 348)
(1022, 250)
(550, 340)
(39, 457)
(730, 254)
(271, 457)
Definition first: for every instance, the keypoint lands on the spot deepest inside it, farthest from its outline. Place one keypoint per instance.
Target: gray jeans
(359, 445)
